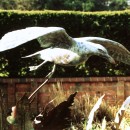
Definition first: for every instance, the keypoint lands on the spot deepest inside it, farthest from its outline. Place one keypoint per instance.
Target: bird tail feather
(34, 54)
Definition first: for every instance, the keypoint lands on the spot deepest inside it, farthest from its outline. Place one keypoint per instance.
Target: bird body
(58, 56)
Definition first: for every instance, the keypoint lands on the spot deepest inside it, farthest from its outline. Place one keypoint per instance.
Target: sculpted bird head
(102, 52)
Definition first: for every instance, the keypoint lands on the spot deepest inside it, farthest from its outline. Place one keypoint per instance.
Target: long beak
(111, 60)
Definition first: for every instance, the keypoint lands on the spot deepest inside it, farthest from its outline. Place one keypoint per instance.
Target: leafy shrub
(112, 25)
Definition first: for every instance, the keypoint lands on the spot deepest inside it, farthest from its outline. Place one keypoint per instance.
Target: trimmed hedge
(112, 25)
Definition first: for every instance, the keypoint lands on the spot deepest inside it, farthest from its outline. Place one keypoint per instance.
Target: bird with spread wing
(60, 48)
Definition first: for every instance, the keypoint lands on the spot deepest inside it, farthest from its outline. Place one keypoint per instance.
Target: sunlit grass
(83, 104)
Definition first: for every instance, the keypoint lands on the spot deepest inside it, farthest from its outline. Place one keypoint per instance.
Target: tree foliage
(78, 5)
(118, 5)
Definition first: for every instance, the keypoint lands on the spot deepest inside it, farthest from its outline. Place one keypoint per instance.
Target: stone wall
(116, 89)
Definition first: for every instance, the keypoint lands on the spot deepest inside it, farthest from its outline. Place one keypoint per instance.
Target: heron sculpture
(62, 49)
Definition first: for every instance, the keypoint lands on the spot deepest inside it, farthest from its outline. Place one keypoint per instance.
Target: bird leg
(37, 66)
(52, 72)
(48, 77)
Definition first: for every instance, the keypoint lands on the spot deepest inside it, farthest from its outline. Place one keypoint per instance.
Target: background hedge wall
(112, 25)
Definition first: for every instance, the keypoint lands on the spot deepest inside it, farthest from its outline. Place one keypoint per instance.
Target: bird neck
(85, 48)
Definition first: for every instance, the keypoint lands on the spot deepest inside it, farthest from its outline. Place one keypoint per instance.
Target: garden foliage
(113, 25)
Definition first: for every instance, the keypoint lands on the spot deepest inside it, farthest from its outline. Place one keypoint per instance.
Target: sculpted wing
(47, 36)
(115, 49)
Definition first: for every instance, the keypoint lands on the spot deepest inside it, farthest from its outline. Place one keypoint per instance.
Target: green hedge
(113, 25)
